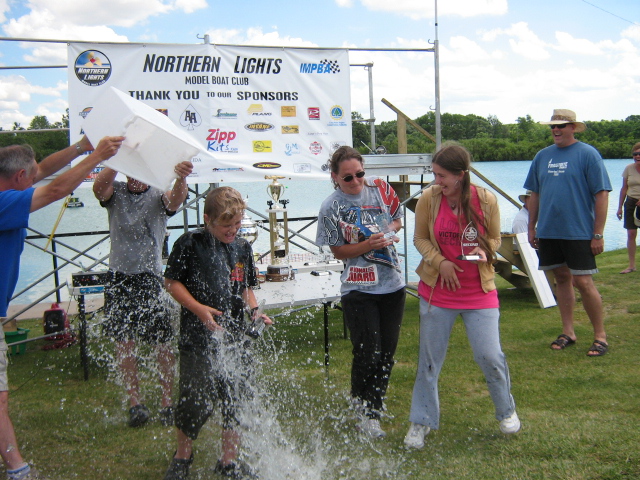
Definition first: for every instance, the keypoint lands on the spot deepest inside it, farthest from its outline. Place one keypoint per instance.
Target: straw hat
(562, 115)
(522, 197)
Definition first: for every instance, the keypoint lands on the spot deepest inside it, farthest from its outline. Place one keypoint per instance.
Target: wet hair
(636, 148)
(15, 158)
(223, 203)
(340, 155)
(457, 159)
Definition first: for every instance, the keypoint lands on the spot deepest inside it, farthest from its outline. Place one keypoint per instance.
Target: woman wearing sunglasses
(353, 221)
(629, 200)
(457, 233)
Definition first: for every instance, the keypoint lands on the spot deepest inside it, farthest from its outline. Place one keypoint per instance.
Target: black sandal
(599, 347)
(563, 341)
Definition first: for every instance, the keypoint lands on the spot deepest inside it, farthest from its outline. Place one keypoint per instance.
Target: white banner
(253, 111)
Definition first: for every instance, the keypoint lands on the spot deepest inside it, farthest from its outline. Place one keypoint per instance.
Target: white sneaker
(371, 427)
(510, 424)
(415, 435)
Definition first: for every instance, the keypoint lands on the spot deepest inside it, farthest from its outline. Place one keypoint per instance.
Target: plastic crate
(13, 337)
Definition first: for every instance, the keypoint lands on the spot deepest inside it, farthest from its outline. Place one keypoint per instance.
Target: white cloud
(123, 13)
(419, 9)
(44, 24)
(4, 7)
(15, 90)
(632, 32)
(569, 44)
(522, 40)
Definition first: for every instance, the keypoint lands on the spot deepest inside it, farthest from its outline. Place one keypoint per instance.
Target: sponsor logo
(287, 129)
(85, 111)
(313, 113)
(219, 141)
(337, 112)
(164, 111)
(302, 167)
(256, 109)
(315, 148)
(324, 66)
(336, 144)
(92, 68)
(262, 146)
(291, 149)
(190, 118)
(259, 127)
(230, 169)
(225, 115)
(266, 165)
(288, 111)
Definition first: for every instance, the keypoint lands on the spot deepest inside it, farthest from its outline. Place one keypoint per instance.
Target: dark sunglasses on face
(561, 126)
(348, 178)
(635, 154)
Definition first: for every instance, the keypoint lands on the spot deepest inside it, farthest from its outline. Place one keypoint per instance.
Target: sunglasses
(561, 126)
(348, 178)
(635, 154)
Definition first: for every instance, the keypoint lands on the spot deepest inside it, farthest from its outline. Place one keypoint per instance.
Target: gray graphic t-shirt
(345, 219)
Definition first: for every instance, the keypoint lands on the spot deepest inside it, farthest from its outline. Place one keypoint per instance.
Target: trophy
(385, 225)
(469, 241)
(279, 270)
(248, 229)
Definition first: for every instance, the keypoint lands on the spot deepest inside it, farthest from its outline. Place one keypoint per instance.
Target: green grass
(580, 415)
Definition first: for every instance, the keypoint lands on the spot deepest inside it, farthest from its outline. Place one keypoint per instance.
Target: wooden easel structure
(519, 262)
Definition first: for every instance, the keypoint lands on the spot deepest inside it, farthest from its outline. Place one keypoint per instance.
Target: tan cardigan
(424, 236)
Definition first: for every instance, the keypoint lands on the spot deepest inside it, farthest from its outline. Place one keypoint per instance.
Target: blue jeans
(483, 333)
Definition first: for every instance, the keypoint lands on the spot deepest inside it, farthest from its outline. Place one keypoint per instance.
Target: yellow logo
(262, 146)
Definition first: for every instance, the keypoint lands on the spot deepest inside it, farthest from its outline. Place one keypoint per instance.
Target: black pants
(374, 323)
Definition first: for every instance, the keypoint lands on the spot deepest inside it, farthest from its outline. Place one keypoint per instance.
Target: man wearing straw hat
(18, 172)
(567, 212)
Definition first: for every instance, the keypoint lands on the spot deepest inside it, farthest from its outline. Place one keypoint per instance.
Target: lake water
(305, 198)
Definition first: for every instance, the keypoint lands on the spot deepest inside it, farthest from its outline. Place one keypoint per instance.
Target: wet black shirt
(216, 274)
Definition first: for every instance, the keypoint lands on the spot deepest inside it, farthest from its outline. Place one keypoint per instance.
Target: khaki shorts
(4, 379)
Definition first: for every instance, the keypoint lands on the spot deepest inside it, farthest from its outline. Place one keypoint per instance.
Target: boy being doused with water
(210, 273)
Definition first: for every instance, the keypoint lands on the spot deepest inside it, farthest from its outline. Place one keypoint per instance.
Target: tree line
(487, 139)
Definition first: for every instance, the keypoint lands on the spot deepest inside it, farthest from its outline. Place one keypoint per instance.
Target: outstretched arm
(61, 159)
(180, 190)
(68, 181)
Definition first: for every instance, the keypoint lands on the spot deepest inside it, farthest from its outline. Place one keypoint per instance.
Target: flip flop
(598, 346)
(563, 341)
(627, 270)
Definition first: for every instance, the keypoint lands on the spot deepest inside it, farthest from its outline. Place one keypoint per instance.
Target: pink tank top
(448, 235)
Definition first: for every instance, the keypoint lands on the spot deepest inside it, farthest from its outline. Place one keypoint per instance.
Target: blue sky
(505, 58)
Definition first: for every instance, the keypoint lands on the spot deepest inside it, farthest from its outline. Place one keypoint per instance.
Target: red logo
(314, 113)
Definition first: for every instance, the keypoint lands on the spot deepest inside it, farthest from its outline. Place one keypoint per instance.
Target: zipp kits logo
(219, 141)
(266, 165)
(92, 68)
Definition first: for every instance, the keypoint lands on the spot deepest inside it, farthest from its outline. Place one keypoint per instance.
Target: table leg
(326, 335)
(84, 360)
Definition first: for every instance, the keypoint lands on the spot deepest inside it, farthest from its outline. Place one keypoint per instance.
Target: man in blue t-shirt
(567, 212)
(18, 172)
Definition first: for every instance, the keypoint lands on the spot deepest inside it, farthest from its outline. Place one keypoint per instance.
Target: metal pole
(436, 57)
(372, 119)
